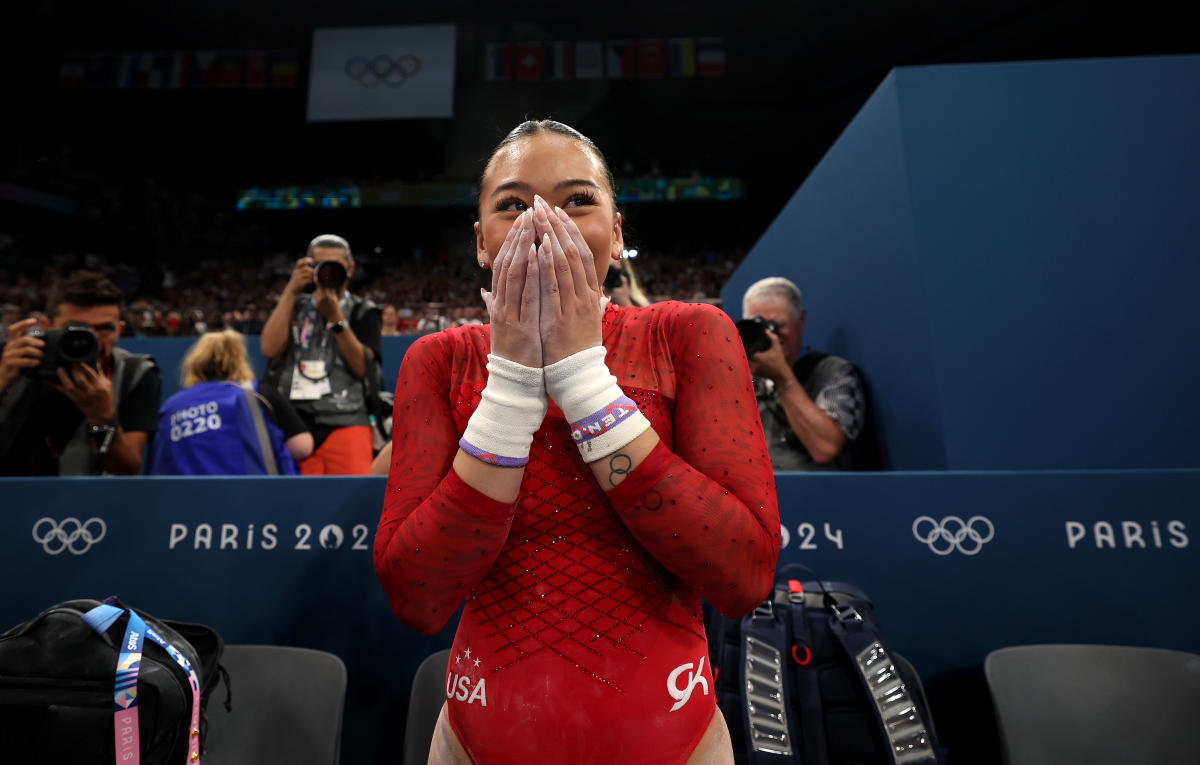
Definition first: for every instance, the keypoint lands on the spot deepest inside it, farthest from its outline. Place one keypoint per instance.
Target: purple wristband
(603, 421)
(489, 458)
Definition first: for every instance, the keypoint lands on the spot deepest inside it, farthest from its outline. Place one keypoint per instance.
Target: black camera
(753, 332)
(330, 274)
(612, 279)
(64, 346)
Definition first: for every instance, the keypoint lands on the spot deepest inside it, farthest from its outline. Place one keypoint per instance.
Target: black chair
(1096, 705)
(424, 704)
(287, 707)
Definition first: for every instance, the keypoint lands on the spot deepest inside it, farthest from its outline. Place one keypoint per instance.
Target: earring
(483, 264)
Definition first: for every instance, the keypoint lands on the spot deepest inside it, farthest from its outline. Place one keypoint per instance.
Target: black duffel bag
(61, 696)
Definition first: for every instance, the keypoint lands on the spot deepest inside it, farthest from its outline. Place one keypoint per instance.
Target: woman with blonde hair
(220, 423)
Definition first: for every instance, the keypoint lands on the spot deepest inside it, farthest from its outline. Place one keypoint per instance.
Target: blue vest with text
(207, 429)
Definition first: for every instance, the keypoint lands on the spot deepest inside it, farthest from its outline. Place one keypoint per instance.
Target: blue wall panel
(1017, 243)
(1104, 557)
(1055, 203)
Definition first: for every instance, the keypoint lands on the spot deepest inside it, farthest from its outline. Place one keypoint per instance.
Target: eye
(511, 204)
(580, 198)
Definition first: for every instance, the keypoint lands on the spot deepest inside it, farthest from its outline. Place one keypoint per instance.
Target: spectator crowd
(420, 292)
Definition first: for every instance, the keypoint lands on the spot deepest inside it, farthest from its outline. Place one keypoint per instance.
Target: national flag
(528, 61)
(256, 69)
(231, 69)
(651, 58)
(710, 57)
(73, 71)
(126, 69)
(202, 69)
(681, 57)
(419, 84)
(560, 63)
(144, 77)
(497, 62)
(143, 70)
(589, 60)
(153, 70)
(161, 70)
(284, 69)
(178, 77)
(102, 71)
(618, 63)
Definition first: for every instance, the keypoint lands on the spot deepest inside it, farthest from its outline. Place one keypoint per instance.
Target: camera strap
(260, 429)
(126, 736)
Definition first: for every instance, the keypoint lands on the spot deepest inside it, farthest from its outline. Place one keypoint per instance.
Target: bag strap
(126, 736)
(900, 720)
(806, 675)
(770, 726)
(260, 428)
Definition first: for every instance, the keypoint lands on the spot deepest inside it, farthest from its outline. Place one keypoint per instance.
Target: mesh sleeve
(437, 536)
(708, 511)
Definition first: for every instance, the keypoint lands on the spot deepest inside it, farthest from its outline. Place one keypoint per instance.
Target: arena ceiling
(797, 72)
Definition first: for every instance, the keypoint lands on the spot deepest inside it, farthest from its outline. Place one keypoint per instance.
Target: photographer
(811, 403)
(71, 402)
(323, 349)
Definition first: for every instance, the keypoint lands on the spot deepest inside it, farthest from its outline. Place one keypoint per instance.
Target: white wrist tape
(603, 419)
(511, 409)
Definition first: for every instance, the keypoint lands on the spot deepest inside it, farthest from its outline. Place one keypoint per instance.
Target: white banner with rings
(380, 73)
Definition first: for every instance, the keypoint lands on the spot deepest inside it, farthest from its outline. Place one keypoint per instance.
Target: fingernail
(546, 241)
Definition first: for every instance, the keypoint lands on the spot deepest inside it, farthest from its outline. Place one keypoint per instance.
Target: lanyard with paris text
(126, 735)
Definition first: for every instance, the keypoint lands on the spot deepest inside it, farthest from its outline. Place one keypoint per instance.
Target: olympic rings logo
(953, 534)
(382, 70)
(71, 535)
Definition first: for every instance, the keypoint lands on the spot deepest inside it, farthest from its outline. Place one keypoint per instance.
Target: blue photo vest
(207, 429)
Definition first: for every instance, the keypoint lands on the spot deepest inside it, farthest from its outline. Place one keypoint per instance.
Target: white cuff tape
(602, 418)
(512, 407)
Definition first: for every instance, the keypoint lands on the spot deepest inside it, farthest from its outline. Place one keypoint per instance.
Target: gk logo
(681, 695)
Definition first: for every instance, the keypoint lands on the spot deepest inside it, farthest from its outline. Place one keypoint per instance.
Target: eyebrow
(522, 186)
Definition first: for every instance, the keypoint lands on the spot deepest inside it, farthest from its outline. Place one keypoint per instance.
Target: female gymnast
(581, 474)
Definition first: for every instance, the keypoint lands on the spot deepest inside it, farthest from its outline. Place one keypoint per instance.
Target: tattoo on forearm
(619, 466)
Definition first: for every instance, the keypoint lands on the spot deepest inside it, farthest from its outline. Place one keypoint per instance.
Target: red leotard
(582, 639)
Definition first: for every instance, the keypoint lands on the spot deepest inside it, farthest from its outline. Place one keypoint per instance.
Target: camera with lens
(64, 346)
(753, 331)
(330, 274)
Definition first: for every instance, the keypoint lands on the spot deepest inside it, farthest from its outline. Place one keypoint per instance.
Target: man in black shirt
(323, 348)
(89, 420)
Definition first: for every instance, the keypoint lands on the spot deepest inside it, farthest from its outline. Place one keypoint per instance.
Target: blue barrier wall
(1008, 252)
(1103, 557)
(169, 352)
